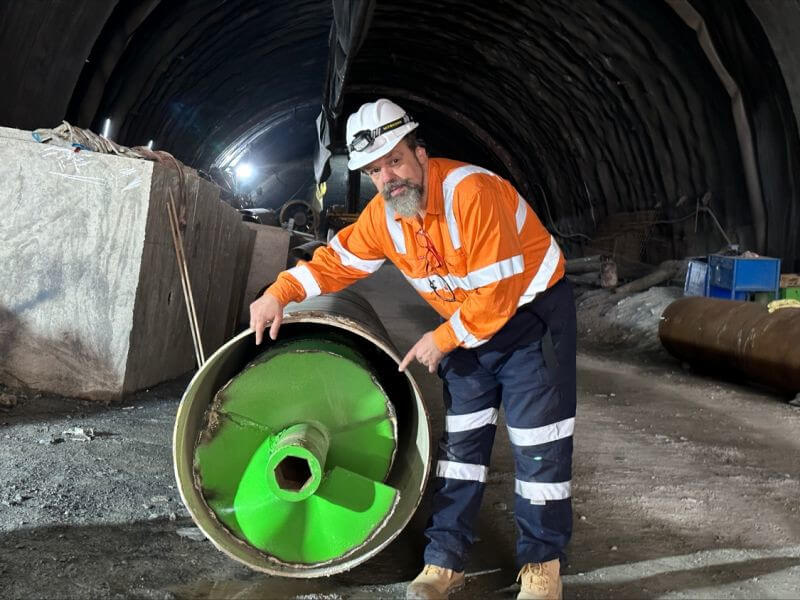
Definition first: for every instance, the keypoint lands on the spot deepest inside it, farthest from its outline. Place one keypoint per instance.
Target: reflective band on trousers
(465, 471)
(474, 420)
(534, 436)
(538, 492)
(351, 260)
(306, 279)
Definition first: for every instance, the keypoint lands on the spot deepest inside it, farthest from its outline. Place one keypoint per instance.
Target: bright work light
(244, 171)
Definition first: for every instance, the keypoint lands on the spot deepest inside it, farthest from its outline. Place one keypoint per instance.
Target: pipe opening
(368, 498)
(293, 474)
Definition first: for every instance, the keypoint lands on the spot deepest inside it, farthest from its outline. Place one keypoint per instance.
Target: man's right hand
(264, 311)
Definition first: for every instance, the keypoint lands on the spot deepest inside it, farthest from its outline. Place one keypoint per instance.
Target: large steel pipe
(740, 338)
(308, 456)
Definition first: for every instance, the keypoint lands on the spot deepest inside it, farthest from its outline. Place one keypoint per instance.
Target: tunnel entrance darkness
(607, 114)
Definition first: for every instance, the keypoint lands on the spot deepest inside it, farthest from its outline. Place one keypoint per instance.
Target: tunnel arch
(600, 107)
(606, 105)
(196, 76)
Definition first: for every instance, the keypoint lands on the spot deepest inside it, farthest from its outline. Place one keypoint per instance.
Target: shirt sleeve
(353, 253)
(495, 267)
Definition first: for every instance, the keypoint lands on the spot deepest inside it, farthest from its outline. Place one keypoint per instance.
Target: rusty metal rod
(177, 240)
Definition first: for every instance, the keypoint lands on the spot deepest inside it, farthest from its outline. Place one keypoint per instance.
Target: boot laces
(534, 575)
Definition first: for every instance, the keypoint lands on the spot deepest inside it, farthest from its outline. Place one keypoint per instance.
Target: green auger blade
(344, 513)
(295, 449)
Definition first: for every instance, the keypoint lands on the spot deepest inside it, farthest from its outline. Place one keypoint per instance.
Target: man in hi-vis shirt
(478, 254)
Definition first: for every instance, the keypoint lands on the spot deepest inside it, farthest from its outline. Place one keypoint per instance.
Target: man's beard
(408, 202)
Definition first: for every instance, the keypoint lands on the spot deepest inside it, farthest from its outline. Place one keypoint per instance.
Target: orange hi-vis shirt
(497, 254)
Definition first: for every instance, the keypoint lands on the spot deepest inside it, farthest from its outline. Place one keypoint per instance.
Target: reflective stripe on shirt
(462, 335)
(351, 260)
(306, 279)
(474, 279)
(449, 184)
(395, 230)
(544, 274)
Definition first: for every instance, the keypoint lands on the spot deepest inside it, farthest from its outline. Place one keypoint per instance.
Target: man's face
(400, 178)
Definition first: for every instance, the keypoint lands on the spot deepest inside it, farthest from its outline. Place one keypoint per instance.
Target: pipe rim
(216, 533)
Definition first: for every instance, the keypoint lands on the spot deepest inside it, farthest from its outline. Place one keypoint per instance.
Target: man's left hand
(426, 352)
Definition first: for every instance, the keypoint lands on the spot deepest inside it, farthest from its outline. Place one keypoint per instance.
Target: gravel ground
(684, 486)
(628, 324)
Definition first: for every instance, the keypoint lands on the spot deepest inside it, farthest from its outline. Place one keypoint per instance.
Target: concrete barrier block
(90, 296)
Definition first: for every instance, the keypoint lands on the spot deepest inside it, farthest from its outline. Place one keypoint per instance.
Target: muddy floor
(685, 486)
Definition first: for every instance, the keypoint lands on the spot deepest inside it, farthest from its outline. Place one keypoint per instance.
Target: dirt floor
(684, 486)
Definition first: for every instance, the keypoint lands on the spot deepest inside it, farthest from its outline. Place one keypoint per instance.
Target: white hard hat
(374, 130)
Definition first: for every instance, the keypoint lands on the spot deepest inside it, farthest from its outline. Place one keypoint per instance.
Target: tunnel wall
(198, 74)
(592, 108)
(44, 46)
(780, 23)
(746, 49)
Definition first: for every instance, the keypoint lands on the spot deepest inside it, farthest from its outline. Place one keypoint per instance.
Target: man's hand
(426, 352)
(264, 311)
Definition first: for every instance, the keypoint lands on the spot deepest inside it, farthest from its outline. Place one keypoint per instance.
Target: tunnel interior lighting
(244, 171)
(150, 145)
(107, 128)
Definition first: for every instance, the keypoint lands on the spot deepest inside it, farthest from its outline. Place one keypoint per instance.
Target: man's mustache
(398, 183)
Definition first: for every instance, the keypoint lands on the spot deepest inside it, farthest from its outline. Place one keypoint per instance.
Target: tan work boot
(540, 581)
(435, 583)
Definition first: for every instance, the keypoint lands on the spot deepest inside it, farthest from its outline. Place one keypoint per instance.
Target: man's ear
(422, 154)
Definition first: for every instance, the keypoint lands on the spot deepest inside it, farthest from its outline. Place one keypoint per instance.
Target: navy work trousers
(528, 366)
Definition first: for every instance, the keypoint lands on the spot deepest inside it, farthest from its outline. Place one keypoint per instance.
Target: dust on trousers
(528, 366)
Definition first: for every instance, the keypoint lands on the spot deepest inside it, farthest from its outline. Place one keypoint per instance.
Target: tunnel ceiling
(195, 76)
(599, 107)
(199, 75)
(593, 108)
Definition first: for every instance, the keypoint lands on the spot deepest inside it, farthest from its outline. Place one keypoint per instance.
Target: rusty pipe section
(735, 337)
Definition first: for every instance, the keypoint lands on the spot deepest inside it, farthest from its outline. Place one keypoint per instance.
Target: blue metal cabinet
(735, 277)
